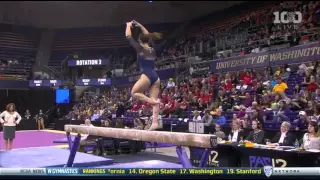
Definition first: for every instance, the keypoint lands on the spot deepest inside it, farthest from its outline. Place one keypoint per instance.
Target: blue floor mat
(48, 157)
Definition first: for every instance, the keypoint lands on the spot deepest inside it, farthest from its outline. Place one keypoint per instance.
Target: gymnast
(149, 78)
(9, 118)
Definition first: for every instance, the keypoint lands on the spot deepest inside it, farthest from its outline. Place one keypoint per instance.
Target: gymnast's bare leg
(140, 87)
(154, 94)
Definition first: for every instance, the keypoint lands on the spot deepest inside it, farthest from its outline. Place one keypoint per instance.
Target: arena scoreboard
(45, 83)
(94, 82)
(265, 171)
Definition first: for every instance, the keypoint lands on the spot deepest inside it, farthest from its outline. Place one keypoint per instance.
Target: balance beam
(182, 139)
(207, 141)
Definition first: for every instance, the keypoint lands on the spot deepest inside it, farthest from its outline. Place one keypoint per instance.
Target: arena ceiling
(74, 14)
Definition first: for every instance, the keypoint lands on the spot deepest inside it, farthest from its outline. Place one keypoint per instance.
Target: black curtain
(33, 100)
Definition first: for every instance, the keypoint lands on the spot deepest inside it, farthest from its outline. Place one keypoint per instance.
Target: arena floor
(34, 145)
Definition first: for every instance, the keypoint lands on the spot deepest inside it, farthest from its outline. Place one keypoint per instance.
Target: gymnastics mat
(41, 157)
(144, 164)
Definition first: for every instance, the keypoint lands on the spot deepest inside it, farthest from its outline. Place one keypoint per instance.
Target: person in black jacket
(236, 134)
(284, 137)
(256, 135)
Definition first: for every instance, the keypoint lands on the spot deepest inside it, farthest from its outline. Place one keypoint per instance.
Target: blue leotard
(146, 59)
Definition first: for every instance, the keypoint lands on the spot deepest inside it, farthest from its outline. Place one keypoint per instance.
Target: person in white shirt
(84, 137)
(196, 116)
(311, 140)
(9, 118)
(171, 83)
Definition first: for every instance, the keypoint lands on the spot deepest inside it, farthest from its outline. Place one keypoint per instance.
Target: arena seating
(18, 50)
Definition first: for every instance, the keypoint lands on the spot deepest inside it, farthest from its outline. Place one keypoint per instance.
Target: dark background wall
(33, 100)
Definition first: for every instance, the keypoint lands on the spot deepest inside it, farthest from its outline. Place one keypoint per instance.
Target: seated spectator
(95, 116)
(273, 82)
(256, 135)
(247, 102)
(284, 137)
(286, 74)
(227, 104)
(299, 103)
(27, 114)
(106, 123)
(86, 139)
(236, 134)
(218, 118)
(171, 83)
(164, 110)
(310, 108)
(201, 105)
(138, 124)
(119, 124)
(302, 122)
(316, 115)
(145, 111)
(280, 87)
(184, 104)
(196, 116)
(235, 118)
(207, 118)
(220, 134)
(311, 139)
(178, 112)
(282, 114)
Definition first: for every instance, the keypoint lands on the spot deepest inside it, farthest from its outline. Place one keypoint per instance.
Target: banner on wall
(163, 74)
(88, 62)
(13, 84)
(297, 54)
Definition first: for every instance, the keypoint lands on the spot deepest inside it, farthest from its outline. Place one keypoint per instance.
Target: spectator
(178, 112)
(27, 114)
(220, 134)
(311, 140)
(302, 122)
(256, 135)
(235, 135)
(86, 139)
(171, 83)
(207, 119)
(280, 87)
(219, 118)
(138, 124)
(196, 116)
(282, 114)
(284, 137)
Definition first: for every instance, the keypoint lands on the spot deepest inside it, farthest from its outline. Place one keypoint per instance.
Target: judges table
(232, 155)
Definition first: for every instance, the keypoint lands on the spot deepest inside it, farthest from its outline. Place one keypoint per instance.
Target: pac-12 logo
(286, 17)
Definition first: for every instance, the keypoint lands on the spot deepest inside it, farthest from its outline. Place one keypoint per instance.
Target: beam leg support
(204, 158)
(70, 142)
(183, 157)
(73, 151)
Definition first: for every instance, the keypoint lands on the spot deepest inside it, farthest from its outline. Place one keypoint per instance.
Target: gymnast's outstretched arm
(143, 29)
(133, 42)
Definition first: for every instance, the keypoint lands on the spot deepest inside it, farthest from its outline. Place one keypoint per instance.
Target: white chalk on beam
(178, 138)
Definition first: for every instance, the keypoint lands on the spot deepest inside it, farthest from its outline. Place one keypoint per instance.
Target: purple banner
(163, 74)
(14, 84)
(88, 62)
(297, 54)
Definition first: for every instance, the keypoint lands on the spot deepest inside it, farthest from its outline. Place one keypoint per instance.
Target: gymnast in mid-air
(149, 79)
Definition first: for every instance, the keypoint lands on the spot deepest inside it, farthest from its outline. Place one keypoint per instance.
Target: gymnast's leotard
(146, 59)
